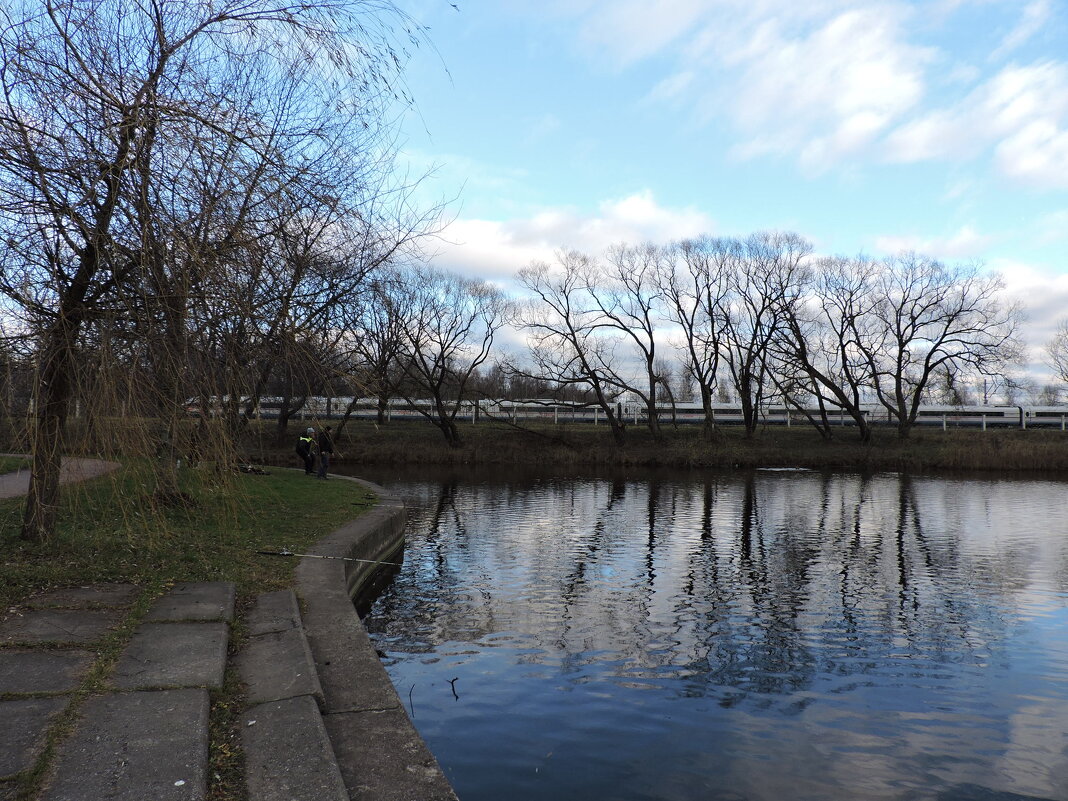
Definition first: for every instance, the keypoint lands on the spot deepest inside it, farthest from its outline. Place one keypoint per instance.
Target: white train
(550, 411)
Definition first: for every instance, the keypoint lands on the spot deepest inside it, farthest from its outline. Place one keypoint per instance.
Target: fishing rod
(286, 552)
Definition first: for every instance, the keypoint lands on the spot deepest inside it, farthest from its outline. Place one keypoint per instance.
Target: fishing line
(287, 552)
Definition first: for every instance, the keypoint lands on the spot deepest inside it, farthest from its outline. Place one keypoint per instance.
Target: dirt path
(74, 469)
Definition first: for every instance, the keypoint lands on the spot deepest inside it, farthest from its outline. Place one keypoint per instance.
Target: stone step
(135, 746)
(59, 626)
(288, 756)
(278, 665)
(273, 611)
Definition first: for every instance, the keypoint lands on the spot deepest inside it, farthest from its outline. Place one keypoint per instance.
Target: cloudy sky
(937, 125)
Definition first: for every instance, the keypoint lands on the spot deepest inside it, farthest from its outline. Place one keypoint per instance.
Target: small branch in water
(411, 705)
(452, 683)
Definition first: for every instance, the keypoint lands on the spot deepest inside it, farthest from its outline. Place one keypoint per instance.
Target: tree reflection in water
(760, 635)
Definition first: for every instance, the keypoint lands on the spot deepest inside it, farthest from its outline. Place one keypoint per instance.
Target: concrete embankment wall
(378, 750)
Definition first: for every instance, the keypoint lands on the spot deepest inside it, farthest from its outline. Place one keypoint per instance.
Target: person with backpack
(306, 450)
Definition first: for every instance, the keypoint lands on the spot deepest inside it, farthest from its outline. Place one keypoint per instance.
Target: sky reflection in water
(770, 635)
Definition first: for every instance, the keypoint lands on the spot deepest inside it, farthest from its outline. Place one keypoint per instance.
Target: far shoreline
(557, 449)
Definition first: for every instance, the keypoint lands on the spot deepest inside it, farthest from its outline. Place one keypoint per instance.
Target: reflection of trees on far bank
(739, 584)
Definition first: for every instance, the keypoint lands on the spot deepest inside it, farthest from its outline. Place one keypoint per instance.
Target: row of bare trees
(764, 316)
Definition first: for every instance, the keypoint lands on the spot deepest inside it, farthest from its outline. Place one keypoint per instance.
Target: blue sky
(872, 127)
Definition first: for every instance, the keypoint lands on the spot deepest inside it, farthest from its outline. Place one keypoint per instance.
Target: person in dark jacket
(306, 450)
(326, 450)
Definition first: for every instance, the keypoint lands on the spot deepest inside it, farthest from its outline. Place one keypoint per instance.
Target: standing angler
(326, 450)
(305, 450)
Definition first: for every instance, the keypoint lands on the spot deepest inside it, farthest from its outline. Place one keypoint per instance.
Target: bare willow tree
(97, 96)
(821, 348)
(764, 280)
(447, 338)
(934, 319)
(1057, 351)
(567, 343)
(373, 339)
(694, 280)
(629, 298)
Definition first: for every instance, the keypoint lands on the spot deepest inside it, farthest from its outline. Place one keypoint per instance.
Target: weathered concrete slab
(351, 675)
(63, 626)
(273, 611)
(383, 759)
(23, 726)
(173, 655)
(134, 747)
(39, 671)
(277, 666)
(110, 595)
(208, 600)
(288, 756)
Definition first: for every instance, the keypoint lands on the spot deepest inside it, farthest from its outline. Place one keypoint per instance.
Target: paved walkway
(147, 737)
(73, 469)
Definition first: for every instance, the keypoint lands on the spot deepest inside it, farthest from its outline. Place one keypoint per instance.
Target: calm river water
(768, 635)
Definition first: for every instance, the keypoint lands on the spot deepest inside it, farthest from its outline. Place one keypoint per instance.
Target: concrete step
(278, 665)
(288, 756)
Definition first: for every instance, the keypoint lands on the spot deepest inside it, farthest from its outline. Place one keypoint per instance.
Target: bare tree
(762, 285)
(824, 343)
(934, 319)
(448, 337)
(567, 344)
(374, 338)
(629, 299)
(1057, 351)
(693, 280)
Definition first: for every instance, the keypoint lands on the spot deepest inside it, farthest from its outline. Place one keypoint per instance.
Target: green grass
(11, 464)
(111, 530)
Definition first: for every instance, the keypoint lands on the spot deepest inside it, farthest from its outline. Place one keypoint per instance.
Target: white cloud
(1021, 112)
(631, 30)
(965, 243)
(542, 127)
(496, 250)
(1035, 15)
(828, 81)
(1042, 294)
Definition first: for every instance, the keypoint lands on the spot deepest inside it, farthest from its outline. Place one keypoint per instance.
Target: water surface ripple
(769, 635)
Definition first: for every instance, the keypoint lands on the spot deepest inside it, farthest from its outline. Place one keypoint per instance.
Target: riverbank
(586, 446)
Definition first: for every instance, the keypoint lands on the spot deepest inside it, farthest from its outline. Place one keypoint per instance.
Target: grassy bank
(111, 530)
(587, 446)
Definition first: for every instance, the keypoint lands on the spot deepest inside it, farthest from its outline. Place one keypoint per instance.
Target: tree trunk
(46, 435)
(708, 429)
